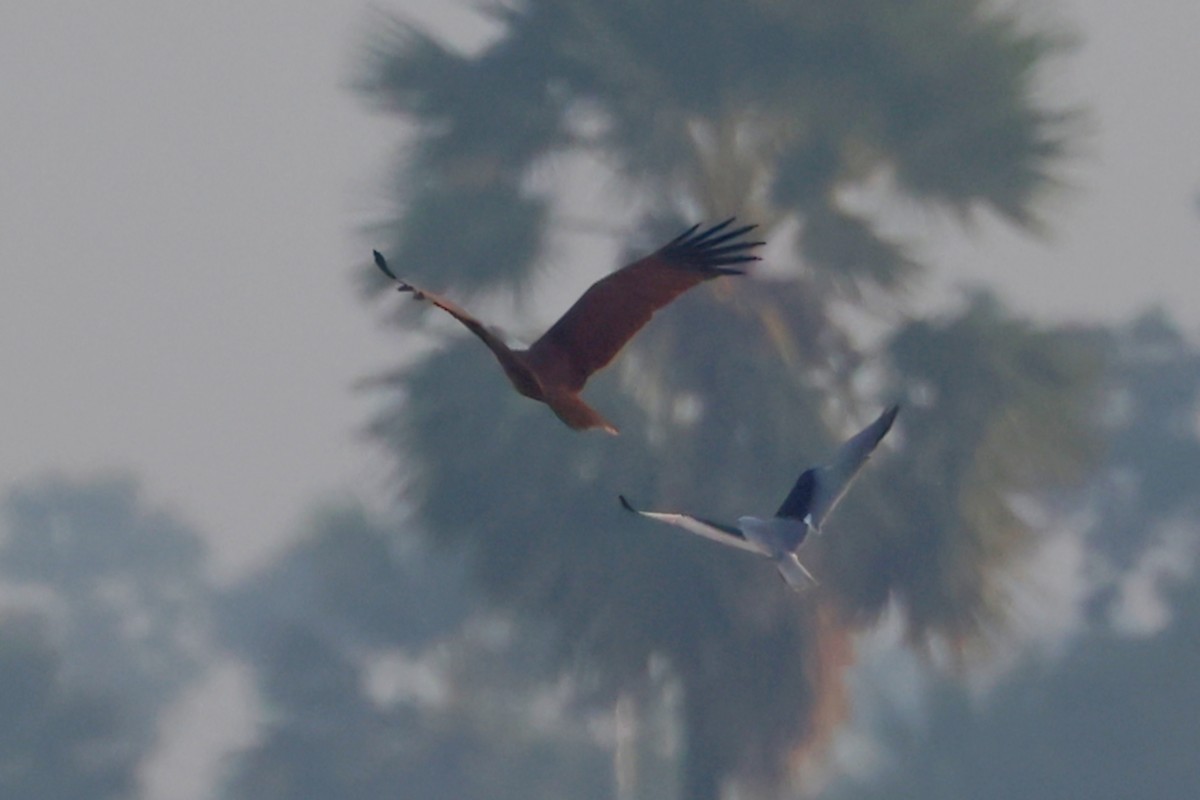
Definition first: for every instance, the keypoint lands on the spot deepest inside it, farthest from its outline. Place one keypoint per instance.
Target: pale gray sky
(1128, 234)
(182, 191)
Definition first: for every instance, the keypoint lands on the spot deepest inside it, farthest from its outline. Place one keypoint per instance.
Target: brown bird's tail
(578, 415)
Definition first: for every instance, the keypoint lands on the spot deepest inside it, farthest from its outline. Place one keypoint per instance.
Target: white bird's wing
(724, 534)
(819, 490)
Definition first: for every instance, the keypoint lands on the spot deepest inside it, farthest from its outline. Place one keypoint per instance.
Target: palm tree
(784, 113)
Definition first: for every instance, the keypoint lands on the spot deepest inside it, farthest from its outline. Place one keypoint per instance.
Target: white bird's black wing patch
(724, 534)
(818, 490)
(799, 499)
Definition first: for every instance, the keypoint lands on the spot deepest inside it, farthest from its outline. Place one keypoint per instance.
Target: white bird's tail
(797, 577)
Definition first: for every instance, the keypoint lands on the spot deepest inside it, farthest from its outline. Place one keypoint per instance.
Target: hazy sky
(183, 188)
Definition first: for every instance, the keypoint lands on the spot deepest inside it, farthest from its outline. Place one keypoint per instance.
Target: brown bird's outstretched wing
(613, 309)
(474, 325)
(520, 375)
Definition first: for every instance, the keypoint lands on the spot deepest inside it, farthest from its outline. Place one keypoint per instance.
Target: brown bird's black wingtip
(728, 270)
(717, 250)
(625, 504)
(381, 262)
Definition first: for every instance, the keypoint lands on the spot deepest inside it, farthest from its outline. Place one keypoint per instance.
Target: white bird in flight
(816, 493)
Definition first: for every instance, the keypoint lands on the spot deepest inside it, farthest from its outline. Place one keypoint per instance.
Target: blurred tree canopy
(378, 683)
(120, 585)
(1113, 719)
(1151, 476)
(56, 740)
(788, 114)
(1113, 715)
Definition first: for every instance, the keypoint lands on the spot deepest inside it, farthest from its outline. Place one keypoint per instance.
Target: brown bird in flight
(586, 338)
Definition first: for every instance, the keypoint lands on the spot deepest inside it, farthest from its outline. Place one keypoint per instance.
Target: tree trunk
(705, 763)
(625, 753)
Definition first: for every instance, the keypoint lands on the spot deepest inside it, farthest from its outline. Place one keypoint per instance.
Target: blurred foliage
(1152, 470)
(1110, 716)
(1115, 718)
(347, 577)
(343, 631)
(56, 740)
(121, 585)
(1000, 408)
(771, 107)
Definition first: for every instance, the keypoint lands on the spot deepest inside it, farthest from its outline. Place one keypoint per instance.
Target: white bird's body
(774, 535)
(813, 497)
